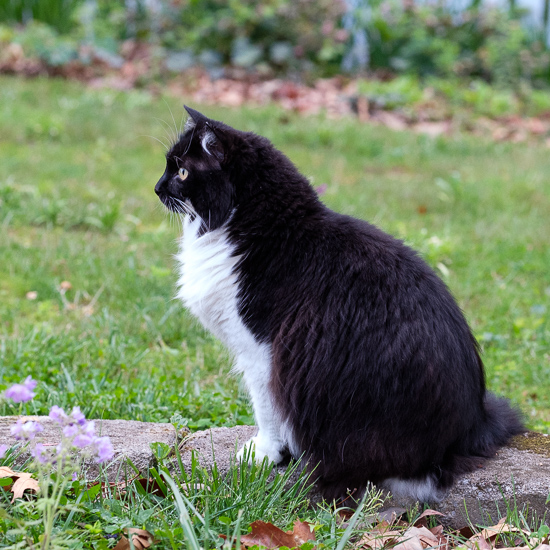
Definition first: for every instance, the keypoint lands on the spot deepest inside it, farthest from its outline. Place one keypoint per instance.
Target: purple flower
(57, 414)
(104, 449)
(3, 450)
(77, 416)
(26, 431)
(74, 476)
(71, 430)
(82, 440)
(21, 393)
(89, 428)
(40, 453)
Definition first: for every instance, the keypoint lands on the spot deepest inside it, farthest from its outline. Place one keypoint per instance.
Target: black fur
(374, 366)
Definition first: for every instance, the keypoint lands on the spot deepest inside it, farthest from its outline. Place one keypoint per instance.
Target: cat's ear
(219, 140)
(198, 118)
(216, 139)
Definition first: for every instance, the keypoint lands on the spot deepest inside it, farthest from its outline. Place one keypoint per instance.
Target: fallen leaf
(22, 482)
(392, 120)
(417, 537)
(422, 519)
(410, 540)
(391, 514)
(269, 536)
(432, 129)
(141, 540)
(466, 532)
(378, 538)
(151, 486)
(491, 533)
(302, 532)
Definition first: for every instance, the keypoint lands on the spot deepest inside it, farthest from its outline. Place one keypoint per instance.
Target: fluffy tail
(502, 422)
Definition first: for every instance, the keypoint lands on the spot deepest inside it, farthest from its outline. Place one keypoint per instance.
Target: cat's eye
(182, 173)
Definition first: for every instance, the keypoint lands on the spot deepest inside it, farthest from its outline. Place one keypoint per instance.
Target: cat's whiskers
(182, 207)
(166, 212)
(185, 208)
(181, 123)
(174, 120)
(167, 130)
(156, 139)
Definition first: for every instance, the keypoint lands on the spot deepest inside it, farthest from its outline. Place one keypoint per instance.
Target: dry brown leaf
(422, 519)
(432, 129)
(141, 540)
(491, 533)
(466, 532)
(151, 486)
(266, 534)
(410, 539)
(302, 532)
(22, 481)
(7, 472)
(378, 538)
(482, 544)
(392, 514)
(414, 536)
(122, 544)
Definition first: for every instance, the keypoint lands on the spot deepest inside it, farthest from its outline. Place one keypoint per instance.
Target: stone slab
(130, 440)
(215, 445)
(518, 475)
(520, 471)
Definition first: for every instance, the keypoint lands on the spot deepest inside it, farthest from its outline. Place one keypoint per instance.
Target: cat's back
(326, 257)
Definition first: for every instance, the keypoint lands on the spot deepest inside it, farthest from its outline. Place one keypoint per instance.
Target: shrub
(306, 36)
(56, 13)
(488, 43)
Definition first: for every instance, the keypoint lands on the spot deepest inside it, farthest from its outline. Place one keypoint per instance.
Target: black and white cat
(354, 352)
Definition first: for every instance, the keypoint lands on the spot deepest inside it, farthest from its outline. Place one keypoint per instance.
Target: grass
(180, 510)
(77, 170)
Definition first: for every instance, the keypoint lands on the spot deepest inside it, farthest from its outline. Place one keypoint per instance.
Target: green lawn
(77, 171)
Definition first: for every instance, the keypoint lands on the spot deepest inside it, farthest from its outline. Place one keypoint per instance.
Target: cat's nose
(160, 185)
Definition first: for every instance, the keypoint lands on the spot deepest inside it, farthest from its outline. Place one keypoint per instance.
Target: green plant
(42, 41)
(54, 467)
(56, 13)
(486, 43)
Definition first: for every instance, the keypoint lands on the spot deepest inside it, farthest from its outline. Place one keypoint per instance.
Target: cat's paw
(257, 448)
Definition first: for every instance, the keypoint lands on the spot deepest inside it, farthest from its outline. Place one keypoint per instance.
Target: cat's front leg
(269, 441)
(259, 447)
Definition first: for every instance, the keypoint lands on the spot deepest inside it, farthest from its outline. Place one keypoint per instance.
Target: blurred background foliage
(294, 38)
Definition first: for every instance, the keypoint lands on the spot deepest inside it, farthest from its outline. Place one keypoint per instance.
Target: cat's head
(198, 170)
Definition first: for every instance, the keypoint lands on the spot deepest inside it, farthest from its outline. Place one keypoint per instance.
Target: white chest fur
(207, 283)
(208, 286)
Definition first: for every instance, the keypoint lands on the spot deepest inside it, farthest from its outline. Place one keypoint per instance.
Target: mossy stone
(533, 442)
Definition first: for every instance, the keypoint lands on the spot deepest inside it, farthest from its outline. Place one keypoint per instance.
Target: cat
(354, 352)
